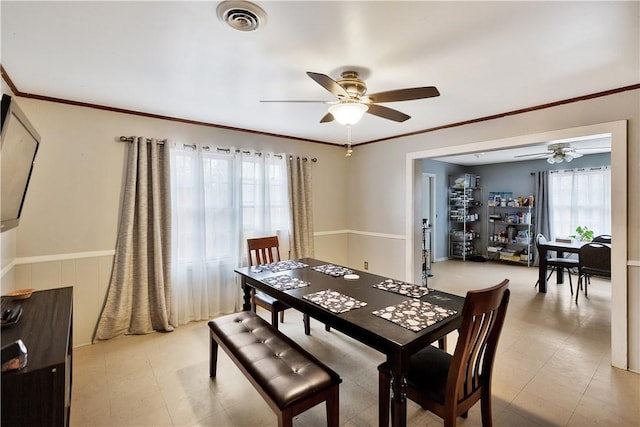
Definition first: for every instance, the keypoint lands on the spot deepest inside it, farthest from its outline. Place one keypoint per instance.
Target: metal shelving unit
(510, 229)
(465, 202)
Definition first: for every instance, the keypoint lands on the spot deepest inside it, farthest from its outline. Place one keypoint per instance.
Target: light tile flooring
(552, 368)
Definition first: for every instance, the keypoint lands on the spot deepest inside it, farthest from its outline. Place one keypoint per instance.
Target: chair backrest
(540, 239)
(595, 260)
(603, 238)
(263, 250)
(483, 315)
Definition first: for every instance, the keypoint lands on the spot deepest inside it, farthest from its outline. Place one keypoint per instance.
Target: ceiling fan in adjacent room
(559, 152)
(352, 99)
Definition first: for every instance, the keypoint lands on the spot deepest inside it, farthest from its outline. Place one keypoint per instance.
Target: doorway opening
(618, 132)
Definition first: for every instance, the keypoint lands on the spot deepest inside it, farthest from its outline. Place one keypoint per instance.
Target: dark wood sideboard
(40, 393)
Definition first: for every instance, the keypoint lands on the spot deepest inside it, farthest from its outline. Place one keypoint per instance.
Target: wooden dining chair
(266, 250)
(449, 385)
(557, 263)
(595, 260)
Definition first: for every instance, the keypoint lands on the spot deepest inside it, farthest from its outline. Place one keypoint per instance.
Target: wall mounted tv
(18, 150)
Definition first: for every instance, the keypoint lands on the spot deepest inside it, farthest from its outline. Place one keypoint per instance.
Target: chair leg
(253, 300)
(307, 323)
(587, 282)
(213, 358)
(547, 279)
(442, 343)
(485, 408)
(578, 286)
(570, 284)
(384, 397)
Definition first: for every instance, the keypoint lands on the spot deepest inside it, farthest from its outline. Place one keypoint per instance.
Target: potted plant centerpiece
(584, 233)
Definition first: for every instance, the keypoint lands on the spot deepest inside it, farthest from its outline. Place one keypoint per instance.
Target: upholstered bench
(288, 378)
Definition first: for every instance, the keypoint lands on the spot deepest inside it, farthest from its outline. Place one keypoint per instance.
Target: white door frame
(619, 280)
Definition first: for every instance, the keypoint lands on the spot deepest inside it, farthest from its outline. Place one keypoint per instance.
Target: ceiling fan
(353, 100)
(559, 152)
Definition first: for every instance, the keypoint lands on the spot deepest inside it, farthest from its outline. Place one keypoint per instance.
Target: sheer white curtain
(219, 199)
(580, 197)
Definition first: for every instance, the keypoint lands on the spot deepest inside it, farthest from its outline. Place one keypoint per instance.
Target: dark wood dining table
(395, 341)
(560, 248)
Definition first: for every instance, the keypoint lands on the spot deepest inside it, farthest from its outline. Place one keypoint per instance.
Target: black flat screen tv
(18, 151)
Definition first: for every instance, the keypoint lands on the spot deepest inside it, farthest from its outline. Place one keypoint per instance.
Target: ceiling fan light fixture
(551, 160)
(348, 113)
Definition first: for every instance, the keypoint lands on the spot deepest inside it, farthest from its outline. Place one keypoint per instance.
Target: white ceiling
(177, 59)
(592, 144)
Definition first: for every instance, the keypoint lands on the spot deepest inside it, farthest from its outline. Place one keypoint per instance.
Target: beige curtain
(139, 295)
(301, 207)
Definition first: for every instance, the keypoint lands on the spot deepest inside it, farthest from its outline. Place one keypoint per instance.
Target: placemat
(285, 282)
(403, 288)
(334, 301)
(333, 270)
(277, 267)
(414, 314)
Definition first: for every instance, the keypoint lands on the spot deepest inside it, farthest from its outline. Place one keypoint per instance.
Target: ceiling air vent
(241, 15)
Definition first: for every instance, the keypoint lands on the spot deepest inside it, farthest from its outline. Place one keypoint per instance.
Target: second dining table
(560, 248)
(393, 317)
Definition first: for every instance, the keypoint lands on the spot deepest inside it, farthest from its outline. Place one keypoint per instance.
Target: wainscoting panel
(89, 277)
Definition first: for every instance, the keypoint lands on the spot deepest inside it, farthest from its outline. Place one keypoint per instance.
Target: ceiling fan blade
(329, 84)
(327, 118)
(575, 154)
(387, 113)
(405, 94)
(533, 154)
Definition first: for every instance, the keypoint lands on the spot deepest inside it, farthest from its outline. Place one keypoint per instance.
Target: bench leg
(333, 407)
(285, 418)
(213, 358)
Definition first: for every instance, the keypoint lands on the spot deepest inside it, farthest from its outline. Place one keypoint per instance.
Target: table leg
(542, 270)
(398, 397)
(246, 300)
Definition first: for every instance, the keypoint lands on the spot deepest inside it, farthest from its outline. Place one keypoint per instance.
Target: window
(219, 199)
(580, 197)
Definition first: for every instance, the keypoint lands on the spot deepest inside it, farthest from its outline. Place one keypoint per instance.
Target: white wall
(67, 233)
(383, 166)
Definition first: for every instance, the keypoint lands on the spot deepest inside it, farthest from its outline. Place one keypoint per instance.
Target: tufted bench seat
(288, 378)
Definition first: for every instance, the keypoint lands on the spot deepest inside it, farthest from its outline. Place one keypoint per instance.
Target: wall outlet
(366, 265)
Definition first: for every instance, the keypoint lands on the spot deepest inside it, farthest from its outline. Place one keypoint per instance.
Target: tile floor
(552, 368)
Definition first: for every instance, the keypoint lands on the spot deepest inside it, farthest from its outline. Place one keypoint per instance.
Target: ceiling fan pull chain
(349, 149)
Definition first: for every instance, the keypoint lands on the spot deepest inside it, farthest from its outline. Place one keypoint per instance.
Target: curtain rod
(207, 148)
(132, 138)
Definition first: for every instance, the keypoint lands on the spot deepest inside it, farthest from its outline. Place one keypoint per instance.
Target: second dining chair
(557, 263)
(266, 250)
(449, 385)
(595, 260)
